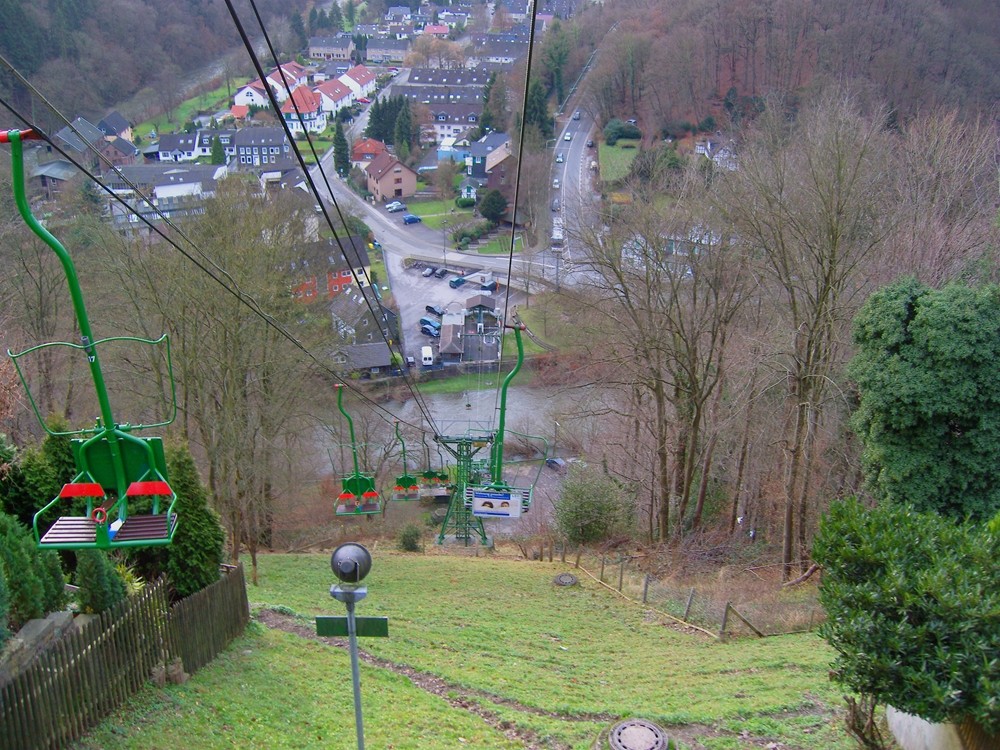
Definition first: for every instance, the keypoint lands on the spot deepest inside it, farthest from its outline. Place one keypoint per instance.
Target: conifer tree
(341, 150)
(196, 552)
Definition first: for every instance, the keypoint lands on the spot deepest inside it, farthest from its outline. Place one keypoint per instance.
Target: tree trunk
(792, 481)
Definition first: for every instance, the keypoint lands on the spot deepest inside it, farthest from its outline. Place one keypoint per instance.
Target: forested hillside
(684, 61)
(86, 56)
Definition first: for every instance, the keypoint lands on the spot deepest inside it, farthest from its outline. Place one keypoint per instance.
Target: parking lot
(414, 291)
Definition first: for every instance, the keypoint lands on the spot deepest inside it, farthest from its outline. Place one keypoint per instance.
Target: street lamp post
(444, 244)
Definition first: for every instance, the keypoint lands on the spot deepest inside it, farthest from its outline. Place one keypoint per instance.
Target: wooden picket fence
(84, 676)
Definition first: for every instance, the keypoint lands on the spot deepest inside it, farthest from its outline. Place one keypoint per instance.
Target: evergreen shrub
(100, 585)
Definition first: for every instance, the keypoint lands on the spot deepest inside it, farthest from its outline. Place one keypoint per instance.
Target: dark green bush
(465, 202)
(19, 561)
(4, 608)
(410, 538)
(593, 507)
(195, 555)
(53, 580)
(912, 602)
(100, 585)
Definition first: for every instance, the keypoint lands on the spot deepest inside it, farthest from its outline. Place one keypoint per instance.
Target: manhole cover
(565, 579)
(638, 734)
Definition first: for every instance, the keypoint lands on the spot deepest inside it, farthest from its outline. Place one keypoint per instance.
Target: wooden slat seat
(145, 527)
(71, 530)
(358, 510)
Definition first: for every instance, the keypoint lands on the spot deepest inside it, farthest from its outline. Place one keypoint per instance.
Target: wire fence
(81, 678)
(731, 608)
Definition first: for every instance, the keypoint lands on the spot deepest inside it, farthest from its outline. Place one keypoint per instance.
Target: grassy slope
(559, 664)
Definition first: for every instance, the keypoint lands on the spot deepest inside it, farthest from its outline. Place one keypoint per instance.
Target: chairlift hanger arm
(497, 453)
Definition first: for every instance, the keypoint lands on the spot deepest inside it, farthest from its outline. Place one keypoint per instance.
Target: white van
(426, 356)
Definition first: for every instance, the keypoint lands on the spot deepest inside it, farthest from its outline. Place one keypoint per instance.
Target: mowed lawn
(518, 662)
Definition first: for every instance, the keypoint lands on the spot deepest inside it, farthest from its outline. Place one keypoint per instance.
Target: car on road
(429, 271)
(556, 463)
(364, 100)
(430, 331)
(576, 115)
(434, 310)
(441, 273)
(411, 219)
(395, 206)
(556, 204)
(632, 121)
(568, 137)
(560, 158)
(555, 184)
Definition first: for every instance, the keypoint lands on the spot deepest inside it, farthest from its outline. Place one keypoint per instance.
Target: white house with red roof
(303, 112)
(359, 80)
(334, 96)
(436, 29)
(282, 79)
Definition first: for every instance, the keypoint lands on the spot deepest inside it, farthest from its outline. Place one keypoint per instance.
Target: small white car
(560, 158)
(568, 137)
(555, 184)
(395, 206)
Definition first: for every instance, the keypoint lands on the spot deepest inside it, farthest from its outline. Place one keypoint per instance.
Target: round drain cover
(565, 579)
(638, 734)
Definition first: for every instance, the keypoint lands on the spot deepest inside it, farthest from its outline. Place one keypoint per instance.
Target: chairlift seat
(81, 489)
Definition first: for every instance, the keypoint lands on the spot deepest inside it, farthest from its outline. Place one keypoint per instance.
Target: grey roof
(178, 141)
(114, 123)
(481, 300)
(78, 134)
(451, 340)
(488, 144)
(338, 40)
(367, 356)
(448, 77)
(56, 170)
(124, 147)
(260, 137)
(442, 94)
(401, 45)
(145, 176)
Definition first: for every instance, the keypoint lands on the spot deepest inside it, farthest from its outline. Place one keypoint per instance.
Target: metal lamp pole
(444, 243)
(351, 595)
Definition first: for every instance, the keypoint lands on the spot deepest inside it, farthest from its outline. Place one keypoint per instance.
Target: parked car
(555, 184)
(364, 100)
(456, 282)
(632, 121)
(430, 331)
(434, 310)
(556, 204)
(441, 273)
(568, 137)
(430, 323)
(560, 158)
(411, 219)
(411, 362)
(556, 463)
(395, 206)
(429, 271)
(590, 143)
